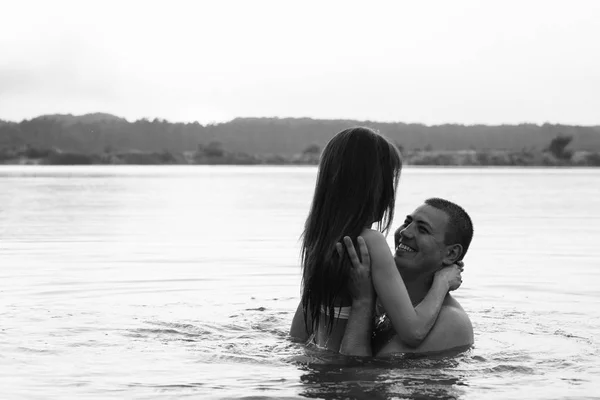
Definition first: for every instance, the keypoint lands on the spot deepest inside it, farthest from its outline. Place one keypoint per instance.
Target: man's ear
(453, 254)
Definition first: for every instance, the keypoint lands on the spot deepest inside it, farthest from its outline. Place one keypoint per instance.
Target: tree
(214, 149)
(399, 147)
(312, 149)
(558, 147)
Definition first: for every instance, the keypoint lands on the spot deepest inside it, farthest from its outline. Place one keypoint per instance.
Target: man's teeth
(404, 247)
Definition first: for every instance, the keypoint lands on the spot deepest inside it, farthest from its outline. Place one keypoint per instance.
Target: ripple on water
(24, 349)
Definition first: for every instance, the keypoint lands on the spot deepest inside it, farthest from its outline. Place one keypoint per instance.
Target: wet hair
(356, 186)
(460, 227)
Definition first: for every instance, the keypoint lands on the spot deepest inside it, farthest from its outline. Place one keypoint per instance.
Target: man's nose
(407, 232)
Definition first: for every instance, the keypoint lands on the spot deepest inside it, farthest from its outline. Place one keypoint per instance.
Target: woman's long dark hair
(356, 186)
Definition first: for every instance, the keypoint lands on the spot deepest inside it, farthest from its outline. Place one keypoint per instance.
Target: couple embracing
(380, 303)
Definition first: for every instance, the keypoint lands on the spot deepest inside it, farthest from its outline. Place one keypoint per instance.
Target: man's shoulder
(451, 305)
(453, 320)
(452, 330)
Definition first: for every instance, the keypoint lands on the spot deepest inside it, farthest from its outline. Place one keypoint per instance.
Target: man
(436, 234)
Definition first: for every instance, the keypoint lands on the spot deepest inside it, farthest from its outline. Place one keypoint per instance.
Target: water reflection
(401, 376)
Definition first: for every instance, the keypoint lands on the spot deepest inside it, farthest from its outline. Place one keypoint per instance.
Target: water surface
(154, 282)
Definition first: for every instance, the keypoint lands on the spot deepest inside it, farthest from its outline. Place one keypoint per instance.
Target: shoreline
(28, 155)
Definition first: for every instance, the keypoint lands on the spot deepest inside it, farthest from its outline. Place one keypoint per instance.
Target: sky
(430, 62)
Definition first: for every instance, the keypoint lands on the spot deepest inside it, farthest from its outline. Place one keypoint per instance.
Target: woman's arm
(411, 324)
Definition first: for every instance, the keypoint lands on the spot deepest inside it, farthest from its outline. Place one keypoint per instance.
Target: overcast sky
(432, 62)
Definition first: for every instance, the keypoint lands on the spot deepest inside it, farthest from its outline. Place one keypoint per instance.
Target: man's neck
(418, 286)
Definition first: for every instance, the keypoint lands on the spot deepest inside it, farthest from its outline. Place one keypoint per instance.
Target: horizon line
(150, 119)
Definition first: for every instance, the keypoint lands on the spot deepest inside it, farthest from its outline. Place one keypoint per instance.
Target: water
(154, 282)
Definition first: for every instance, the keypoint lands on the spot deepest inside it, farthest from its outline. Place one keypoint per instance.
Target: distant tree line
(214, 153)
(93, 133)
(104, 138)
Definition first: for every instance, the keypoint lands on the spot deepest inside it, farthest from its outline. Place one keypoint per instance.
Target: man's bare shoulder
(452, 330)
(451, 302)
(454, 323)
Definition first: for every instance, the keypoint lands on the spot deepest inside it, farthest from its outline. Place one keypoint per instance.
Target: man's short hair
(460, 226)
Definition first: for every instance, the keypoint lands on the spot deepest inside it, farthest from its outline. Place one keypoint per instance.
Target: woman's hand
(452, 275)
(359, 282)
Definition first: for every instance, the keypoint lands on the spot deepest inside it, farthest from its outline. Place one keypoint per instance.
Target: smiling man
(435, 235)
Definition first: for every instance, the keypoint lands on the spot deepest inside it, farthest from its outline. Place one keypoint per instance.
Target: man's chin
(402, 263)
(404, 255)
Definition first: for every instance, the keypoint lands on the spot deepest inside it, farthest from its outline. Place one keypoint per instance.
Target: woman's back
(332, 340)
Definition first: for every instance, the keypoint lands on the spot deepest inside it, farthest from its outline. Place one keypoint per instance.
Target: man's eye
(423, 230)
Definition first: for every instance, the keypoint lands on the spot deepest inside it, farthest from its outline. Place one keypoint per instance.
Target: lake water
(174, 282)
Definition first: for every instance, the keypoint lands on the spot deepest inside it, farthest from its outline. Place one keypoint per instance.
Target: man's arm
(357, 336)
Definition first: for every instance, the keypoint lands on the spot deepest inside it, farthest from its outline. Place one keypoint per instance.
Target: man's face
(419, 241)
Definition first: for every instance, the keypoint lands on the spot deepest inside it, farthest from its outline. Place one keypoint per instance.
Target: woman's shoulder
(371, 235)
(375, 240)
(379, 249)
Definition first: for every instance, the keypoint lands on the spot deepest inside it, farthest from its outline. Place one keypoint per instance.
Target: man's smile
(404, 248)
